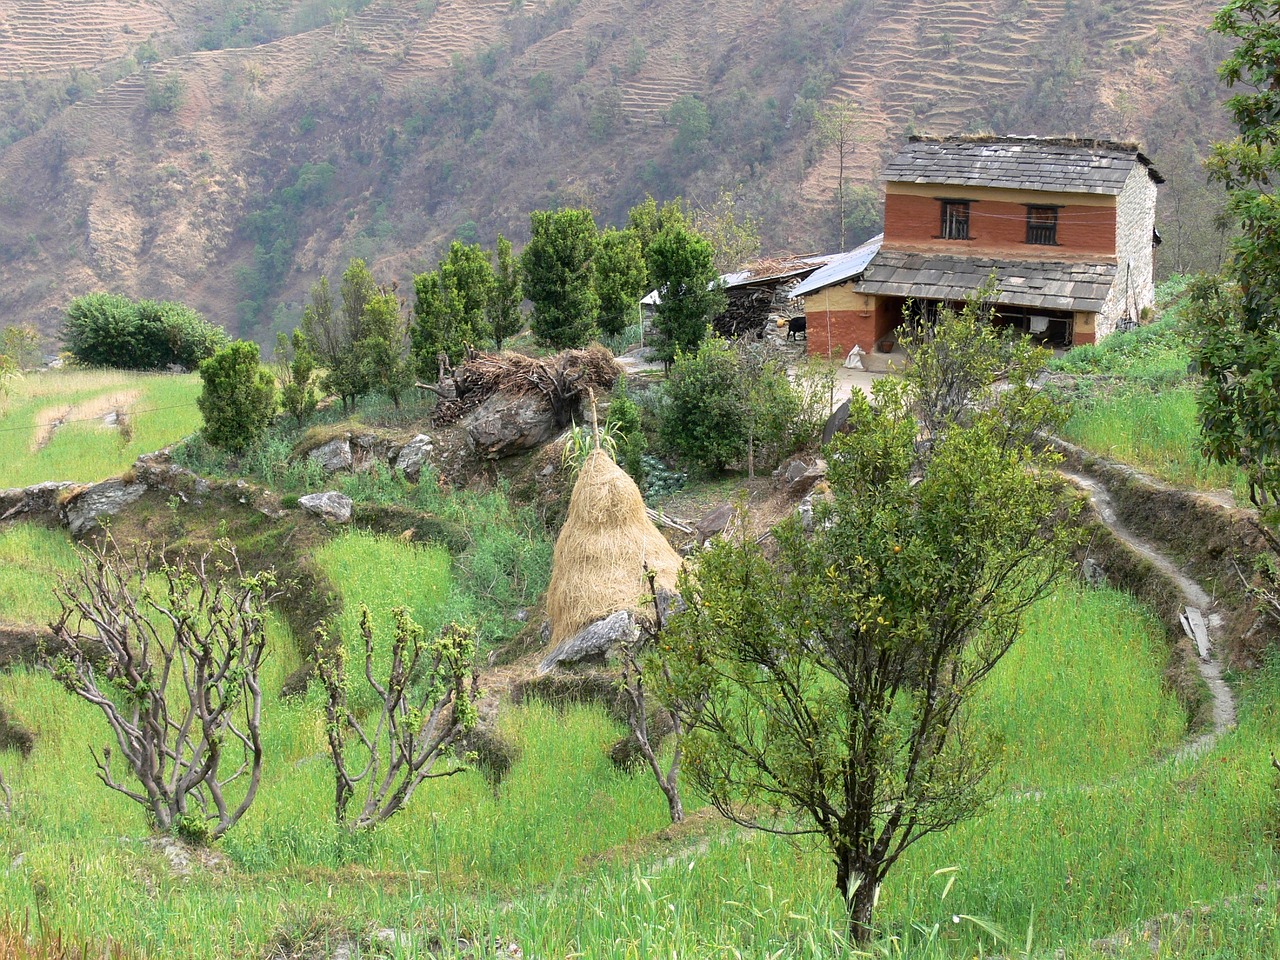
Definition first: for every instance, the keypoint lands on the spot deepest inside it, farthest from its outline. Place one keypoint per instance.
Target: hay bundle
(563, 380)
(600, 555)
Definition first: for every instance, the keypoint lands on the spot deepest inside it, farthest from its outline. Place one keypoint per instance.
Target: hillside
(225, 154)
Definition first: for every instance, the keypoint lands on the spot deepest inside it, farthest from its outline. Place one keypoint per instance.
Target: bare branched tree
(424, 706)
(170, 653)
(638, 655)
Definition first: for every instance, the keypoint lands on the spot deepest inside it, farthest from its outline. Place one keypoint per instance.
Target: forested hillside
(226, 153)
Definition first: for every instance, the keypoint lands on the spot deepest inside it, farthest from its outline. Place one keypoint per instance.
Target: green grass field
(160, 409)
(1134, 401)
(570, 857)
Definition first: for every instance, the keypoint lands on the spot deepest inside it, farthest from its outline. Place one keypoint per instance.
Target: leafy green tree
(692, 121)
(682, 268)
(385, 364)
(295, 370)
(622, 278)
(559, 277)
(831, 674)
(506, 319)
(702, 421)
(238, 398)
(109, 330)
(648, 218)
(1238, 322)
(451, 306)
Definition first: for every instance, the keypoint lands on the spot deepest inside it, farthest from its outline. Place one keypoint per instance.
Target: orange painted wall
(998, 227)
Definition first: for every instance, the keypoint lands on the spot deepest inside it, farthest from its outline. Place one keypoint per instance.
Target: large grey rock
(504, 425)
(331, 505)
(39, 499)
(413, 456)
(592, 642)
(104, 499)
(333, 456)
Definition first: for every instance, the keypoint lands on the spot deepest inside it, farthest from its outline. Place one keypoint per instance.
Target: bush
(109, 330)
(624, 420)
(238, 399)
(703, 421)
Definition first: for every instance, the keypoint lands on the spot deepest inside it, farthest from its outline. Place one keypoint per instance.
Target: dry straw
(600, 556)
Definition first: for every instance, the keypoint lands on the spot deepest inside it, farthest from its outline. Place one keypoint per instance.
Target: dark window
(955, 219)
(1042, 225)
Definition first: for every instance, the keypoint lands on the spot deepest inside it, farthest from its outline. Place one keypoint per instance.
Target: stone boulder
(505, 425)
(593, 642)
(104, 499)
(413, 456)
(333, 456)
(42, 498)
(330, 505)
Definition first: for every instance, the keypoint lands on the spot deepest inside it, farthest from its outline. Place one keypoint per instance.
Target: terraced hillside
(431, 120)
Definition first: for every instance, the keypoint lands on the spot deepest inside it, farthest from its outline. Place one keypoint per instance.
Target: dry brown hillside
(231, 177)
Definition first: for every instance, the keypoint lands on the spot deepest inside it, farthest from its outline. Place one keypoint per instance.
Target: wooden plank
(1194, 626)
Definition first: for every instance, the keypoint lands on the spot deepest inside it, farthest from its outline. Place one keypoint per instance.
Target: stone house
(1066, 228)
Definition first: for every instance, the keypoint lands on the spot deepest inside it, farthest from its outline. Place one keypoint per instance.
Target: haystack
(600, 556)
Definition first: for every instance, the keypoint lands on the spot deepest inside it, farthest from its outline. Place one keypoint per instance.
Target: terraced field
(54, 36)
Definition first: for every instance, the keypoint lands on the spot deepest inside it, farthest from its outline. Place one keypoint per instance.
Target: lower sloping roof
(840, 267)
(928, 276)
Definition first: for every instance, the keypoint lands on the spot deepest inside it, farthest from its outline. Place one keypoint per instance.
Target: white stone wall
(1134, 287)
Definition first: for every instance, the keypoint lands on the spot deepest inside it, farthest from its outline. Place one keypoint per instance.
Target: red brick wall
(849, 328)
(998, 227)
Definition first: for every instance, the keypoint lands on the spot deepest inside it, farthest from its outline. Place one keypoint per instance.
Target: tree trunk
(673, 802)
(859, 894)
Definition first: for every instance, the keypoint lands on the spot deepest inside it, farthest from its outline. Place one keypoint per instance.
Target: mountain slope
(230, 178)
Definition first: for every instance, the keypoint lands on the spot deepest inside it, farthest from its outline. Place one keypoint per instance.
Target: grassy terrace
(1093, 828)
(1133, 400)
(159, 409)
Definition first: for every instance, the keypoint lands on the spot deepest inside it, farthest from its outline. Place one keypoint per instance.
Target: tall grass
(163, 412)
(1152, 429)
(31, 560)
(568, 855)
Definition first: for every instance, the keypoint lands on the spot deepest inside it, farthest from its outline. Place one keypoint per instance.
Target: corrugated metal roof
(841, 267)
(1023, 163)
(927, 276)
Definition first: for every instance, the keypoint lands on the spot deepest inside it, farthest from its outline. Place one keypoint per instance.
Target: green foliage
(831, 680)
(647, 219)
(505, 317)
(238, 398)
(1156, 352)
(621, 279)
(1236, 321)
(702, 420)
(109, 330)
(451, 306)
(273, 227)
(559, 277)
(693, 125)
(682, 269)
(623, 421)
(383, 361)
(23, 343)
(295, 369)
(165, 95)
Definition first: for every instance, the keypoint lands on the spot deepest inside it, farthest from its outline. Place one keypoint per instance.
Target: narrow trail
(1210, 668)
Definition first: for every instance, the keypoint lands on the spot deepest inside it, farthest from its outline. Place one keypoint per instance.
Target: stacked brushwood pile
(746, 315)
(562, 381)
